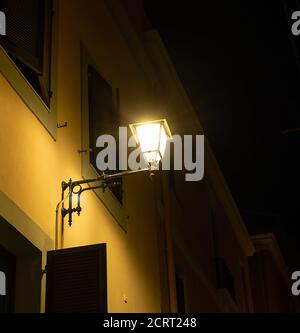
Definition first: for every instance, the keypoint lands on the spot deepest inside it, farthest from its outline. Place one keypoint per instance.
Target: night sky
(237, 61)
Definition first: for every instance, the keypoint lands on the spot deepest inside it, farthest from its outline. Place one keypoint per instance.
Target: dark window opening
(21, 262)
(180, 293)
(28, 41)
(244, 283)
(224, 278)
(104, 118)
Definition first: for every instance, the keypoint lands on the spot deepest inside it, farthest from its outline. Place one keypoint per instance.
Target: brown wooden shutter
(28, 39)
(77, 280)
(104, 118)
(45, 76)
(24, 31)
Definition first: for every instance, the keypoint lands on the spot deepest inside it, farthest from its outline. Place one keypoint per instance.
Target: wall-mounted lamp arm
(107, 181)
(104, 178)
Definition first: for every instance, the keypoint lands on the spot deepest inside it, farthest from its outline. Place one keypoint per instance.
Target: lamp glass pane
(148, 136)
(152, 138)
(163, 141)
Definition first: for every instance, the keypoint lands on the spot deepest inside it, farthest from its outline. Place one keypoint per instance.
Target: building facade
(84, 69)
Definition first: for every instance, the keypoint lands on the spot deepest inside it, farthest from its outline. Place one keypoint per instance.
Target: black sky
(237, 62)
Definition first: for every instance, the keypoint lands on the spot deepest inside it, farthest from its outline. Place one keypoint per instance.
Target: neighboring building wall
(270, 278)
(204, 220)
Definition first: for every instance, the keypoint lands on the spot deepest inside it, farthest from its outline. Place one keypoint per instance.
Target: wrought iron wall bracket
(76, 188)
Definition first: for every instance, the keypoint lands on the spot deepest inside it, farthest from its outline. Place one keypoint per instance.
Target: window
(225, 278)
(104, 118)
(100, 115)
(28, 41)
(180, 293)
(21, 262)
(28, 54)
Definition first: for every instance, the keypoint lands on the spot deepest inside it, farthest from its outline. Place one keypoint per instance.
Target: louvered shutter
(104, 118)
(76, 280)
(28, 39)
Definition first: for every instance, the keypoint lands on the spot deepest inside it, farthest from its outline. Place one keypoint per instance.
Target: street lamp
(152, 136)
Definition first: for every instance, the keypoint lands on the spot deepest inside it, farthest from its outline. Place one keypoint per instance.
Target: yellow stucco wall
(33, 164)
